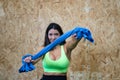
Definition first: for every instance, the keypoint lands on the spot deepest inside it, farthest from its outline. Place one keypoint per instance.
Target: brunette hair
(52, 26)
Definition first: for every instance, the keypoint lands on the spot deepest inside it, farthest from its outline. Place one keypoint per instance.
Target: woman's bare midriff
(57, 74)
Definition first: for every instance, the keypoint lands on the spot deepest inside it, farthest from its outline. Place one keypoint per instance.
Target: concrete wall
(22, 26)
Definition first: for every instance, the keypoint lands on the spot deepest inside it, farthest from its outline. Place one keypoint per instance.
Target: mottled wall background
(22, 26)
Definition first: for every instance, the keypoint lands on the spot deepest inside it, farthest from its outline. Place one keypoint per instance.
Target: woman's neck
(56, 47)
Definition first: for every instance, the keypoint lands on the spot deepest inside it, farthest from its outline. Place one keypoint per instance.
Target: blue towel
(81, 32)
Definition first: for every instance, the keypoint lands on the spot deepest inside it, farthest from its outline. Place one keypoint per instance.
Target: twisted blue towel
(81, 32)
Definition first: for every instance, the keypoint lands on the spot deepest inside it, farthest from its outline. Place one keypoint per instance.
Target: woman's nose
(53, 36)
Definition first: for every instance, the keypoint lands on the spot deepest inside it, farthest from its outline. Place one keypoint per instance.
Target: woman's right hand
(28, 59)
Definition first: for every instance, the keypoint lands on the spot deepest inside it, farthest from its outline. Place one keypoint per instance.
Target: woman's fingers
(28, 59)
(74, 35)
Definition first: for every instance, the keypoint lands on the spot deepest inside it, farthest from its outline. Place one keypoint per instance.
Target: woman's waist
(54, 74)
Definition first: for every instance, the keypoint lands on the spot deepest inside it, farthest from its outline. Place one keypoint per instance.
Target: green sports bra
(58, 66)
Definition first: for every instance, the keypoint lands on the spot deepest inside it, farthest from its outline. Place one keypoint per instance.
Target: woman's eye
(56, 34)
(50, 34)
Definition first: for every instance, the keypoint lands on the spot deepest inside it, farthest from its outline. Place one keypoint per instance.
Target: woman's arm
(29, 58)
(72, 43)
(37, 60)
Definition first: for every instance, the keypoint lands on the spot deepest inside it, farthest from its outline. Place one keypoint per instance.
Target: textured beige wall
(22, 26)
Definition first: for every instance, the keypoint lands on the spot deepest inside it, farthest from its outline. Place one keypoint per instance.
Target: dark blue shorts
(53, 77)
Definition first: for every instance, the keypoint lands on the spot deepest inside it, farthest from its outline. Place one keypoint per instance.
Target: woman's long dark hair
(52, 26)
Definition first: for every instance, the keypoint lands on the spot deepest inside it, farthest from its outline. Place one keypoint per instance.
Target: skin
(55, 54)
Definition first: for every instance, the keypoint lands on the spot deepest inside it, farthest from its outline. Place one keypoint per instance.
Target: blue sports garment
(81, 32)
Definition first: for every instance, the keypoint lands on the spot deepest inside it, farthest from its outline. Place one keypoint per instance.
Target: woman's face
(53, 34)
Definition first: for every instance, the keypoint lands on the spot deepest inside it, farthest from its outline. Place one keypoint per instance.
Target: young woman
(56, 62)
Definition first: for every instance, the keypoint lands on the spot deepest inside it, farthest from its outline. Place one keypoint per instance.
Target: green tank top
(59, 66)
